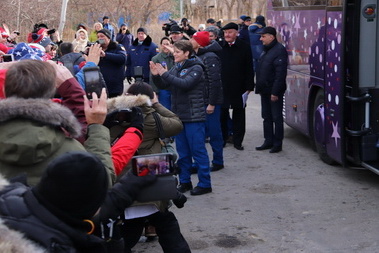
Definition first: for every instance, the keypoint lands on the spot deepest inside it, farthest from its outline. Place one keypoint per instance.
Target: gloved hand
(122, 195)
(110, 119)
(129, 79)
(137, 118)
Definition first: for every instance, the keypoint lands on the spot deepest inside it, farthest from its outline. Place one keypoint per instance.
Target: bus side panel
(334, 89)
(302, 33)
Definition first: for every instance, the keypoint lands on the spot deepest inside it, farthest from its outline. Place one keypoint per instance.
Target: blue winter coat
(140, 55)
(112, 67)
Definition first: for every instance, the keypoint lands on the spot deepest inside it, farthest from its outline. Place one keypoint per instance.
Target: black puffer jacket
(272, 71)
(187, 89)
(213, 91)
(21, 211)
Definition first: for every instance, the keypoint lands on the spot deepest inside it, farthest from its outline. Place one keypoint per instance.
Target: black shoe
(276, 149)
(216, 167)
(264, 146)
(180, 200)
(200, 190)
(239, 147)
(185, 187)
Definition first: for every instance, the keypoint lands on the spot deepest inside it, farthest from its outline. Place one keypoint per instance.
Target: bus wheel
(318, 131)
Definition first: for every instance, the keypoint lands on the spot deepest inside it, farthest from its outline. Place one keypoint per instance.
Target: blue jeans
(213, 130)
(272, 114)
(190, 144)
(165, 98)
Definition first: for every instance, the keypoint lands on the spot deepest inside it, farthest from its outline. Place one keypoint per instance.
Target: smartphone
(8, 57)
(92, 81)
(156, 164)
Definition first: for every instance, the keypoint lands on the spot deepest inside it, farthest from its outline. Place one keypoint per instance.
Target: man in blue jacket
(271, 85)
(112, 63)
(139, 55)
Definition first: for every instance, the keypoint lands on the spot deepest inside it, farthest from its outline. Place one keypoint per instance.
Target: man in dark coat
(139, 54)
(271, 85)
(112, 63)
(237, 78)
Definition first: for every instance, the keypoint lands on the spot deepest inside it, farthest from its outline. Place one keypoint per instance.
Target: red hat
(3, 33)
(202, 38)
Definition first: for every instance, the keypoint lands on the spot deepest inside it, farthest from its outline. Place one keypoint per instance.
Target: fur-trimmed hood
(40, 110)
(125, 101)
(32, 133)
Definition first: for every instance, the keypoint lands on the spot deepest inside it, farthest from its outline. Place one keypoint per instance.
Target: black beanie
(74, 185)
(106, 32)
(141, 29)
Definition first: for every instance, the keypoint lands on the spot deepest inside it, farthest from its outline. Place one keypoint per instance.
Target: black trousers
(239, 124)
(272, 114)
(166, 226)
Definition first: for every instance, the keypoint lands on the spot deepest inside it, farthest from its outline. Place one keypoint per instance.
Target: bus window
(334, 2)
(298, 3)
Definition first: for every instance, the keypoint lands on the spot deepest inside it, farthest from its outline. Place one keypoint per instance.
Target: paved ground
(286, 202)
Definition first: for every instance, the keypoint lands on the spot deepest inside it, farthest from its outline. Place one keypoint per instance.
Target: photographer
(124, 37)
(187, 28)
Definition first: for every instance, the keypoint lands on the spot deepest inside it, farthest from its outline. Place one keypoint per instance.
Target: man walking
(271, 85)
(237, 79)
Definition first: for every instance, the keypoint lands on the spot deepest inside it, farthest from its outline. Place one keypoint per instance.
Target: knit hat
(211, 21)
(141, 29)
(45, 41)
(243, 17)
(73, 186)
(202, 38)
(230, 25)
(106, 32)
(105, 17)
(247, 18)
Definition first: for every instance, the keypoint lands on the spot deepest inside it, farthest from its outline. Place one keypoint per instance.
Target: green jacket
(35, 131)
(171, 124)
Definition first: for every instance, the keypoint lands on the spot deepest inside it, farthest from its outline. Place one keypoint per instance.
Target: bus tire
(318, 128)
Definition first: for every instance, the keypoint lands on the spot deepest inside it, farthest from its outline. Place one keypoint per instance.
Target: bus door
(367, 96)
(334, 88)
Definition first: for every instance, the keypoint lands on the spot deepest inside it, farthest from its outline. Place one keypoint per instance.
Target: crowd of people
(66, 183)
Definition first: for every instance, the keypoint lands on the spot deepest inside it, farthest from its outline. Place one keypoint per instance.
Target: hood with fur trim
(32, 133)
(40, 110)
(123, 101)
(85, 33)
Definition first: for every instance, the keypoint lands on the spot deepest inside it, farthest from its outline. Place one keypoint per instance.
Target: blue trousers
(272, 114)
(190, 144)
(165, 98)
(213, 131)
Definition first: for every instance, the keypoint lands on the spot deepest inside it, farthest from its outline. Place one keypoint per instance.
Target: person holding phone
(124, 37)
(112, 63)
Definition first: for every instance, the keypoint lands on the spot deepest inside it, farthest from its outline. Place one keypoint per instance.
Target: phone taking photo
(92, 81)
(155, 164)
(8, 57)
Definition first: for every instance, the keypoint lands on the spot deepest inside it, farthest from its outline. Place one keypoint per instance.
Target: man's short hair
(66, 48)
(30, 79)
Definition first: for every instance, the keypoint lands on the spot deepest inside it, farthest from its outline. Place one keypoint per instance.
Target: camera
(166, 26)
(51, 31)
(8, 58)
(138, 73)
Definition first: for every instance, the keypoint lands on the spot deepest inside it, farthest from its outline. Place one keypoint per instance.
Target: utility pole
(181, 8)
(63, 17)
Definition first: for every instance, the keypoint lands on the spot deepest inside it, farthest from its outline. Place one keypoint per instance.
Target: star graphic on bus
(335, 133)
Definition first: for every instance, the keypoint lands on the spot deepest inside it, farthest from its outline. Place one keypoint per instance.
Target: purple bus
(333, 75)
